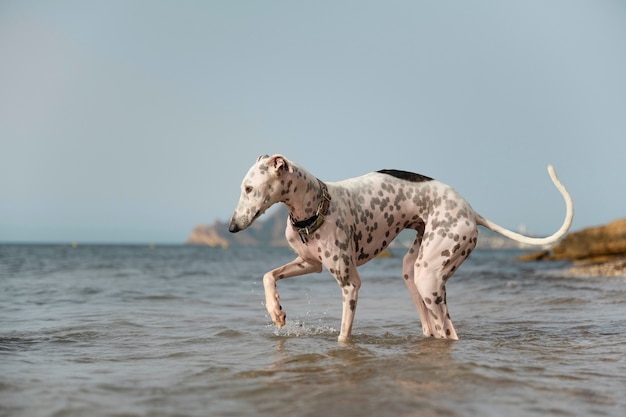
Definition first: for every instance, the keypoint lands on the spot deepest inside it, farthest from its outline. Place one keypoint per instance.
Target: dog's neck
(308, 203)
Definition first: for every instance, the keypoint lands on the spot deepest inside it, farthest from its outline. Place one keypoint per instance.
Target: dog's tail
(569, 215)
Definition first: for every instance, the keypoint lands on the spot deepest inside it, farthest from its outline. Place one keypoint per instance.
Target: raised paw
(279, 318)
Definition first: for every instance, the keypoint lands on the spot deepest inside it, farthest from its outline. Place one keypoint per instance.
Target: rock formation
(597, 250)
(208, 235)
(592, 244)
(267, 231)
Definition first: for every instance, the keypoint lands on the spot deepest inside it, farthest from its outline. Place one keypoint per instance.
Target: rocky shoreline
(595, 251)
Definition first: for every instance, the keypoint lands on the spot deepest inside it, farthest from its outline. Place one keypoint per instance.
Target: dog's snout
(233, 227)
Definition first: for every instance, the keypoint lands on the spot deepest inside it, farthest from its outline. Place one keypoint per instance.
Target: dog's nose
(233, 227)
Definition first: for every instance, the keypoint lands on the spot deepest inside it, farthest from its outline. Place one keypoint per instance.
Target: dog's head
(260, 189)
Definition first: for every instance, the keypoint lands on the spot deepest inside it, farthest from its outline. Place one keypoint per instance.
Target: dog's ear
(279, 163)
(262, 157)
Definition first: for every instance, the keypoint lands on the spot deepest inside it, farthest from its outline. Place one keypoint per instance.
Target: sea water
(182, 331)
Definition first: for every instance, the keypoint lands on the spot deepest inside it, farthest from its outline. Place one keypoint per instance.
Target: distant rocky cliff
(270, 230)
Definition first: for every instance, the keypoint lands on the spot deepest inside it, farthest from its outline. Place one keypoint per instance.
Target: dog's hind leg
(433, 292)
(408, 274)
(438, 259)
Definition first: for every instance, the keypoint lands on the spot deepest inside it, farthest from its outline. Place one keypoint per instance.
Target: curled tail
(569, 215)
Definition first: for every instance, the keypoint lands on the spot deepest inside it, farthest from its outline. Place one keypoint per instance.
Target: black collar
(307, 226)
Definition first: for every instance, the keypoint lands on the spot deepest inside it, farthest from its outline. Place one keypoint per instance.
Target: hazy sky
(132, 121)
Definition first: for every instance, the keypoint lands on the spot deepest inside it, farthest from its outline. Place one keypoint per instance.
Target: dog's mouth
(234, 227)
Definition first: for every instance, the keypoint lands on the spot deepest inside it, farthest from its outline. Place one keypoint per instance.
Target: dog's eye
(248, 189)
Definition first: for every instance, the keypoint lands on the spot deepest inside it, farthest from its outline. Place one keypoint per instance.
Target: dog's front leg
(350, 285)
(272, 300)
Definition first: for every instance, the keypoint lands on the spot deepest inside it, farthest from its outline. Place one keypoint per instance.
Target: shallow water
(182, 331)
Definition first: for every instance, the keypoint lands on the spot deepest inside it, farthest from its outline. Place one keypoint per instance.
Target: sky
(133, 121)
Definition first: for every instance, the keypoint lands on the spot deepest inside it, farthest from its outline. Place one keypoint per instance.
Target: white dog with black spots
(341, 225)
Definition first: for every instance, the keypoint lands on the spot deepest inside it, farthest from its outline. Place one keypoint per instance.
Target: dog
(341, 225)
